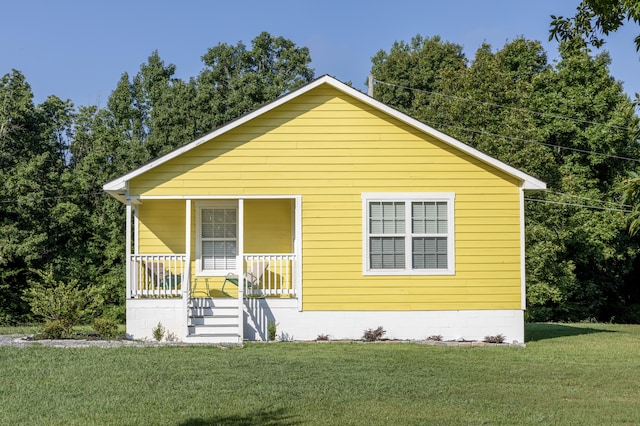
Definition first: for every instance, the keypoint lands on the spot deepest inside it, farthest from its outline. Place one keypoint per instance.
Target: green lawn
(568, 374)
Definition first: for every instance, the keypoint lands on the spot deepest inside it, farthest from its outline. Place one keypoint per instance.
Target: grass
(568, 374)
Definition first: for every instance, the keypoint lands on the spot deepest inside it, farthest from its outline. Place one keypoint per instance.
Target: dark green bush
(55, 329)
(106, 328)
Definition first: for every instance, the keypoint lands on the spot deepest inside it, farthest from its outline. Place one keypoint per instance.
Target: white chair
(255, 271)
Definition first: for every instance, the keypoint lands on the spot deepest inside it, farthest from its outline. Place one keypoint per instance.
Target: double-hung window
(408, 234)
(217, 238)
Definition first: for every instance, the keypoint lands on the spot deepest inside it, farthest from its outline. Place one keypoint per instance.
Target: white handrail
(157, 275)
(270, 274)
(164, 275)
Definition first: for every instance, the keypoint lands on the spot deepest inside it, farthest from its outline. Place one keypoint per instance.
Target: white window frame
(408, 198)
(213, 204)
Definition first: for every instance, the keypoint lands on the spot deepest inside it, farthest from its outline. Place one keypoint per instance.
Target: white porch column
(186, 281)
(128, 247)
(187, 249)
(297, 250)
(240, 268)
(136, 227)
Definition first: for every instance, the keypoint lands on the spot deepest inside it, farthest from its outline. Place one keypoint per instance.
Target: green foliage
(62, 305)
(631, 197)
(158, 332)
(272, 329)
(54, 329)
(106, 327)
(595, 17)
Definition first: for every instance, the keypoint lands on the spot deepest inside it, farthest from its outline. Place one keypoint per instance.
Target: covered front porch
(201, 266)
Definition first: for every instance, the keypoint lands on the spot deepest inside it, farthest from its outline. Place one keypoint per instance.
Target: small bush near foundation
(106, 328)
(499, 338)
(158, 332)
(272, 329)
(371, 335)
(322, 337)
(171, 337)
(435, 338)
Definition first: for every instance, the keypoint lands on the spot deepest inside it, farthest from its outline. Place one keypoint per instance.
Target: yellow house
(339, 214)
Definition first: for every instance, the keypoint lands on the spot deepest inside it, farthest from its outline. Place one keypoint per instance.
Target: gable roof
(118, 186)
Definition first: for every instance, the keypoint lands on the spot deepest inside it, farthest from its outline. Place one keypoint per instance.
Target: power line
(578, 205)
(583, 151)
(578, 120)
(567, 148)
(589, 199)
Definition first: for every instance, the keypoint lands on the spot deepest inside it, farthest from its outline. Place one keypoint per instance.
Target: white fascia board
(529, 182)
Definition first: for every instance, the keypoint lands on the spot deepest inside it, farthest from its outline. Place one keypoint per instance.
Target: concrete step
(209, 302)
(232, 338)
(213, 320)
(213, 311)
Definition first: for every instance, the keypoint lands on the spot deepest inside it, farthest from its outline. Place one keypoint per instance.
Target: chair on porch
(155, 275)
(252, 277)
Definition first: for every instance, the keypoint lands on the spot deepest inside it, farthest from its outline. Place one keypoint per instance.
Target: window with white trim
(217, 238)
(408, 234)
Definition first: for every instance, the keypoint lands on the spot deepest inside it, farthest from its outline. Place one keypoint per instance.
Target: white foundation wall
(143, 315)
(403, 325)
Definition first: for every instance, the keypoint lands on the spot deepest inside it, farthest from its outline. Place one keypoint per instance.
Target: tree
(595, 17)
(421, 64)
(631, 197)
(237, 80)
(32, 159)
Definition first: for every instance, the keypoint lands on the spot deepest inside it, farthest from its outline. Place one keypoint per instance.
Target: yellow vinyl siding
(162, 225)
(268, 226)
(330, 148)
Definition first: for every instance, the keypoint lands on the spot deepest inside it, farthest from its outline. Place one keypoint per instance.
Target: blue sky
(79, 49)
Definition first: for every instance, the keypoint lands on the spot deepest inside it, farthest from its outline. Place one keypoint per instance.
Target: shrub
(499, 338)
(322, 337)
(106, 328)
(158, 332)
(54, 329)
(272, 329)
(371, 335)
(65, 303)
(117, 313)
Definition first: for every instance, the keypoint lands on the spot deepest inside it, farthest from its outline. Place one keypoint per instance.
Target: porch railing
(157, 275)
(269, 275)
(164, 275)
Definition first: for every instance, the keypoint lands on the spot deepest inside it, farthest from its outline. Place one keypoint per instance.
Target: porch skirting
(401, 325)
(143, 315)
